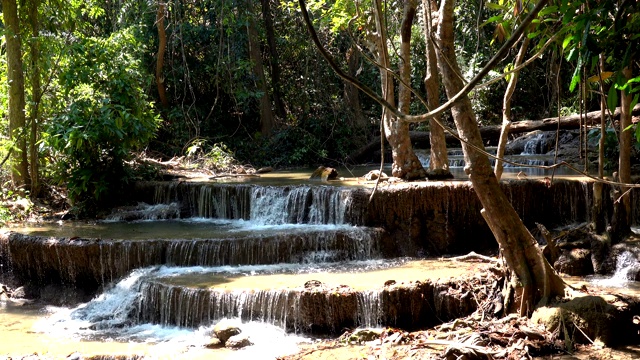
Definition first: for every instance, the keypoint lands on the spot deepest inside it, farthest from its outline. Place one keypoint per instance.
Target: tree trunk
(597, 211)
(255, 54)
(406, 164)
(537, 280)
(356, 119)
(506, 106)
(15, 78)
(274, 62)
(162, 46)
(36, 97)
(622, 208)
(439, 162)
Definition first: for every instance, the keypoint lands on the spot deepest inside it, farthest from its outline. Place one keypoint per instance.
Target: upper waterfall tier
(267, 205)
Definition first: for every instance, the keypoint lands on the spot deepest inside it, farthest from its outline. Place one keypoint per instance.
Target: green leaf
(493, 6)
(612, 99)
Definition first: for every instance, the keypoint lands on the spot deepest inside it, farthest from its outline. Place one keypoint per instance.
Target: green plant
(106, 116)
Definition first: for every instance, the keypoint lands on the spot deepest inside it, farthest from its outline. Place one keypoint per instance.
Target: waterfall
(370, 310)
(337, 244)
(299, 205)
(533, 146)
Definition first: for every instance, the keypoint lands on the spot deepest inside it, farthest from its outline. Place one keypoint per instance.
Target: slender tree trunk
(36, 95)
(255, 54)
(351, 93)
(597, 212)
(406, 164)
(537, 281)
(15, 78)
(439, 162)
(274, 61)
(506, 106)
(162, 47)
(622, 207)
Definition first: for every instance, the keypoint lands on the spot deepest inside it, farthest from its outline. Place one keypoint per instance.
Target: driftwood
(473, 257)
(491, 133)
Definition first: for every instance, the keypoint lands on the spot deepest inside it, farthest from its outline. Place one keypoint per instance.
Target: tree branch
(463, 92)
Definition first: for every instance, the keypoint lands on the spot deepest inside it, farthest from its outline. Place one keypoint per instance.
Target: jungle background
(104, 82)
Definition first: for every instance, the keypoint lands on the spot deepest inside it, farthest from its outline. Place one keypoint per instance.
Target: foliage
(106, 115)
(216, 157)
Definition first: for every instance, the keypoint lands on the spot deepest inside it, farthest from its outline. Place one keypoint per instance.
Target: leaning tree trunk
(439, 161)
(406, 164)
(506, 106)
(15, 79)
(536, 280)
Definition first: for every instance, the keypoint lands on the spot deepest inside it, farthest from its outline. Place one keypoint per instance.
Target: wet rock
(324, 173)
(361, 336)
(313, 284)
(264, 170)
(375, 174)
(144, 211)
(238, 341)
(575, 262)
(59, 295)
(225, 329)
(214, 343)
(608, 319)
(439, 174)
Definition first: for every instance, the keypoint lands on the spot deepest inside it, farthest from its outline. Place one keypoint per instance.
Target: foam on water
(109, 317)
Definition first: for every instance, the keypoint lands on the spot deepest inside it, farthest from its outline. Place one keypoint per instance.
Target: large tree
(15, 78)
(535, 281)
(406, 164)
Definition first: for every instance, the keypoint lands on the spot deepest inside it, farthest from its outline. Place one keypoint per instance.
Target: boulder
(238, 341)
(607, 318)
(225, 329)
(374, 175)
(574, 262)
(324, 173)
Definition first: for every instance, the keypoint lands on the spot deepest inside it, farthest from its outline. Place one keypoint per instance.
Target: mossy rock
(584, 319)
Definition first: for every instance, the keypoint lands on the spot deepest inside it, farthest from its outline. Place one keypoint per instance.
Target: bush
(106, 116)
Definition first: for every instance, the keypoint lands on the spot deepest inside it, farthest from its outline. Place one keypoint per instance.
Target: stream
(289, 260)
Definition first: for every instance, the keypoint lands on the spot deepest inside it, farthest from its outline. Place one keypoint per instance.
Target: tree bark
(255, 54)
(162, 46)
(15, 78)
(537, 279)
(624, 165)
(406, 164)
(439, 162)
(506, 107)
(274, 61)
(36, 97)
(597, 211)
(356, 120)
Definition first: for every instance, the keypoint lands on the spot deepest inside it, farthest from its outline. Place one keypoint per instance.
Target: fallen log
(490, 133)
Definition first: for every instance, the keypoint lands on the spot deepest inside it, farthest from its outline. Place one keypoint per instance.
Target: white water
(625, 263)
(108, 318)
